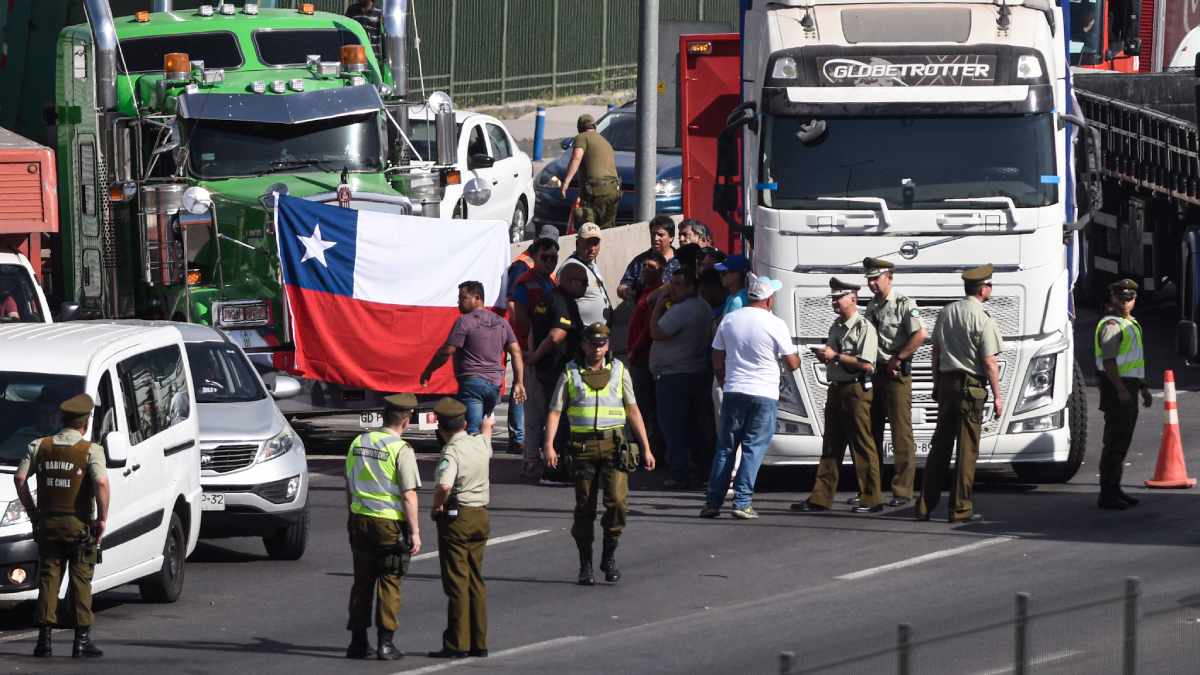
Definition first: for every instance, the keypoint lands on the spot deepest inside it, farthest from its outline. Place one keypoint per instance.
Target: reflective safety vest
(595, 409)
(1131, 357)
(371, 475)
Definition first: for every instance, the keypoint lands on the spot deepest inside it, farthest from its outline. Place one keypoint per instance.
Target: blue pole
(539, 133)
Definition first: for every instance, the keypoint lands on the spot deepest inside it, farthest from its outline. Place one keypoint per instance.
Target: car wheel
(520, 218)
(166, 584)
(290, 542)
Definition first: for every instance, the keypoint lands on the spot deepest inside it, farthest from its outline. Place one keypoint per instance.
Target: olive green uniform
(848, 415)
(600, 189)
(965, 335)
(463, 468)
(896, 319)
(65, 463)
(378, 543)
(600, 461)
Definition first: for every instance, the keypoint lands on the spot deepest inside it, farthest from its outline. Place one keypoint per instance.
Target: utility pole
(647, 108)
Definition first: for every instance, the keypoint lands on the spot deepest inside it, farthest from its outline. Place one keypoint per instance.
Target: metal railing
(1021, 624)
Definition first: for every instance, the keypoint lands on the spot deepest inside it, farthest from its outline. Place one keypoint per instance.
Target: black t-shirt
(556, 310)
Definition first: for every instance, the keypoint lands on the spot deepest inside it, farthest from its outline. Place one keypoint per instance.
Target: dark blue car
(619, 128)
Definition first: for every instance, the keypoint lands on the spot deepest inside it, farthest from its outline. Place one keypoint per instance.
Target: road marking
(496, 540)
(1039, 661)
(536, 646)
(928, 557)
(28, 634)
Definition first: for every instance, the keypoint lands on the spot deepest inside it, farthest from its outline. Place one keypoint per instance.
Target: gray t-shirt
(594, 304)
(480, 338)
(689, 323)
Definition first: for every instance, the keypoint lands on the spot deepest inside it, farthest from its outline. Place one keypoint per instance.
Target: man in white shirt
(746, 351)
(594, 306)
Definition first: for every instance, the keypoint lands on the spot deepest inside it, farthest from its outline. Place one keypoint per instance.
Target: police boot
(1110, 499)
(359, 647)
(83, 645)
(45, 642)
(607, 564)
(387, 650)
(586, 576)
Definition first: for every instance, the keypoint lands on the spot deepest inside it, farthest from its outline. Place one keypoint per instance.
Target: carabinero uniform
(600, 185)
(964, 335)
(1120, 339)
(896, 319)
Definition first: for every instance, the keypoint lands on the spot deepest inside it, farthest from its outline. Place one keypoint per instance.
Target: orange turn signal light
(354, 58)
(452, 177)
(194, 277)
(177, 66)
(142, 16)
(119, 193)
(700, 47)
(307, 8)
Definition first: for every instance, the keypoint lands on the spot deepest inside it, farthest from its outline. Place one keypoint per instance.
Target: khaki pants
(371, 585)
(595, 473)
(59, 550)
(960, 417)
(598, 202)
(893, 403)
(847, 423)
(460, 554)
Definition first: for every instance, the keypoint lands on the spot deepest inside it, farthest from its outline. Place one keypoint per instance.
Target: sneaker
(710, 511)
(745, 513)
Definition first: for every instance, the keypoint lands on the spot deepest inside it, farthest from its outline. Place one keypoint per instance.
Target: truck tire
(290, 542)
(166, 584)
(1061, 472)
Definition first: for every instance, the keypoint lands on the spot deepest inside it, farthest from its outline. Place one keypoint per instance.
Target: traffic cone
(1170, 472)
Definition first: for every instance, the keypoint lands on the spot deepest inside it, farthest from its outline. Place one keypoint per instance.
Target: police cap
(873, 267)
(838, 288)
(977, 275)
(77, 406)
(449, 408)
(400, 402)
(585, 122)
(1125, 288)
(597, 332)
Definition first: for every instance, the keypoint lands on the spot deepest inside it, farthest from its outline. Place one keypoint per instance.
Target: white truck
(938, 135)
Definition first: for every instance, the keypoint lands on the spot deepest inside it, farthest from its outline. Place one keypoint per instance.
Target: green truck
(175, 131)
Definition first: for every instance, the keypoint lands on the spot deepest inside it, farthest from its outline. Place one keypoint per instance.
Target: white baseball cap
(761, 288)
(589, 231)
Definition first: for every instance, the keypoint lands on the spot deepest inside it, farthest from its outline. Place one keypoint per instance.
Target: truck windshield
(29, 409)
(18, 300)
(222, 374)
(910, 162)
(1086, 35)
(223, 149)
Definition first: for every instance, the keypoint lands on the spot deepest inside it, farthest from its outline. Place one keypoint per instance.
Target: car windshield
(18, 299)
(620, 130)
(222, 374)
(29, 409)
(1086, 36)
(222, 149)
(910, 162)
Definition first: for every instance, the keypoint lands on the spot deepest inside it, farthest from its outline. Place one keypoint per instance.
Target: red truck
(28, 215)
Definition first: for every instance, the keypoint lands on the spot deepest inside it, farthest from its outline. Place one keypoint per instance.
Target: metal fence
(496, 51)
(1096, 636)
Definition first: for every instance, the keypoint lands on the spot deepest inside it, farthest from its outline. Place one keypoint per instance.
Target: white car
(487, 151)
(146, 420)
(18, 285)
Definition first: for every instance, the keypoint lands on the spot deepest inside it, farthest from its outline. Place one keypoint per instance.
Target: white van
(21, 299)
(146, 420)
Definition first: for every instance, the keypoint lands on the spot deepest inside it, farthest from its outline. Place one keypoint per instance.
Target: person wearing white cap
(594, 306)
(747, 348)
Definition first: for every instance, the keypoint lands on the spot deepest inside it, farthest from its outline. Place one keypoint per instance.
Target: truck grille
(226, 458)
(813, 315)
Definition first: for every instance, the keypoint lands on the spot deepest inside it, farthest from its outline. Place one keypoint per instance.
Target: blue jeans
(516, 421)
(480, 396)
(748, 421)
(680, 419)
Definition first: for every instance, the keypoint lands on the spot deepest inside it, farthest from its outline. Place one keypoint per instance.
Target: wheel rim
(517, 226)
(171, 553)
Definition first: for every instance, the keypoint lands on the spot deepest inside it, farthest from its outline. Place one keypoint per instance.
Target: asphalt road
(710, 596)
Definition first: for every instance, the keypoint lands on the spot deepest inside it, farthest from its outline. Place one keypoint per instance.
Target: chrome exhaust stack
(163, 5)
(395, 44)
(104, 35)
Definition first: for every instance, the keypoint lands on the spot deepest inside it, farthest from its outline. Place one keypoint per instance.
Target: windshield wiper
(280, 164)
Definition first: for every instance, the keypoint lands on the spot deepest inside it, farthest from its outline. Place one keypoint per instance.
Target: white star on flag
(315, 247)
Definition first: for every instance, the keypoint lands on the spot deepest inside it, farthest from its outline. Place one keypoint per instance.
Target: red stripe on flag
(372, 345)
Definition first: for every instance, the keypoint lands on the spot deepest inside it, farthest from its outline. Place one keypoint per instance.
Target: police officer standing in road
(71, 478)
(381, 491)
(849, 356)
(598, 398)
(1121, 365)
(460, 502)
(966, 341)
(600, 186)
(897, 320)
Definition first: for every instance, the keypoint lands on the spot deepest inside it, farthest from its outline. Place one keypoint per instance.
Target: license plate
(212, 502)
(922, 449)
(370, 420)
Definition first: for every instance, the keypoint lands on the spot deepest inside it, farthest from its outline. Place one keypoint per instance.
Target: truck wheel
(1061, 472)
(290, 542)
(166, 584)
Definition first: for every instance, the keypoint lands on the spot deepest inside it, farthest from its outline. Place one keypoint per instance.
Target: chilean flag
(373, 295)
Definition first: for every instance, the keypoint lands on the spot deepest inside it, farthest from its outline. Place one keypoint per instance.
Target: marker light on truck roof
(278, 86)
(784, 69)
(205, 10)
(258, 86)
(306, 8)
(213, 76)
(228, 9)
(1029, 67)
(354, 59)
(142, 16)
(177, 67)
(296, 84)
(251, 8)
(702, 48)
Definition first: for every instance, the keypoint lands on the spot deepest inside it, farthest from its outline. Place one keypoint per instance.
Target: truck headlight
(790, 400)
(14, 513)
(280, 445)
(668, 187)
(1037, 424)
(1039, 383)
(547, 179)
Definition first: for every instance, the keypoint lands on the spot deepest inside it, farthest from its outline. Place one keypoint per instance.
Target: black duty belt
(604, 435)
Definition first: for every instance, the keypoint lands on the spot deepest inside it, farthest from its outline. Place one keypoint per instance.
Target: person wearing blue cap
(733, 277)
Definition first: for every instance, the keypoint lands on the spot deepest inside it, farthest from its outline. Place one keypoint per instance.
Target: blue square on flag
(317, 245)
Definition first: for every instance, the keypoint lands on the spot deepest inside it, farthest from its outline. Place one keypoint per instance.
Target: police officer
(849, 356)
(598, 398)
(600, 186)
(71, 477)
(381, 491)
(966, 341)
(1121, 365)
(897, 320)
(460, 502)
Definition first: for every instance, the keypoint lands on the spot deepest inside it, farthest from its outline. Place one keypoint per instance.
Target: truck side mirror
(1186, 341)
